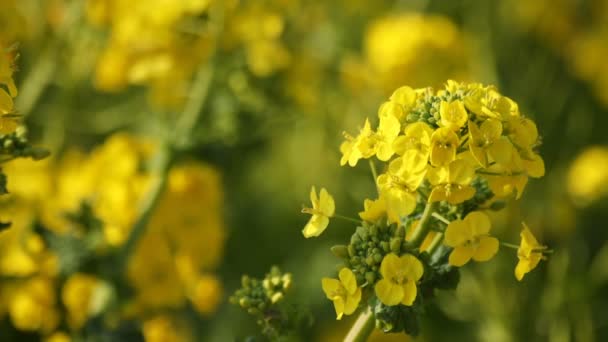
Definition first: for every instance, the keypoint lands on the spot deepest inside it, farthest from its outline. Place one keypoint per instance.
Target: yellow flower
(58, 336)
(354, 149)
(373, 209)
(206, 294)
(399, 277)
(405, 96)
(522, 131)
(444, 143)
(388, 130)
(398, 186)
(453, 114)
(163, 328)
(32, 306)
(323, 208)
(487, 144)
(530, 253)
(417, 137)
(77, 296)
(345, 293)
(470, 239)
(504, 179)
(588, 175)
(391, 108)
(451, 183)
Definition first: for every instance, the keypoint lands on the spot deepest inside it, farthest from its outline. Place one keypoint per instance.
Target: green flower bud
(340, 251)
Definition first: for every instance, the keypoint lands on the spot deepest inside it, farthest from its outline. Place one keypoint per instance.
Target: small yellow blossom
(323, 207)
(78, 297)
(487, 143)
(451, 183)
(588, 175)
(444, 143)
(530, 253)
(400, 275)
(398, 186)
(373, 209)
(344, 292)
(388, 130)
(391, 108)
(470, 239)
(405, 96)
(522, 131)
(504, 179)
(417, 137)
(354, 149)
(453, 114)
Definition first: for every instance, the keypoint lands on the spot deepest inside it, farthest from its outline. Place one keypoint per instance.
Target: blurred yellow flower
(32, 306)
(78, 297)
(530, 253)
(344, 292)
(163, 328)
(588, 175)
(323, 207)
(470, 239)
(399, 277)
(58, 336)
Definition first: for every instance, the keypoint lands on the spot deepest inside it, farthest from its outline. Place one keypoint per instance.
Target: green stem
(363, 327)
(423, 225)
(509, 245)
(435, 243)
(346, 218)
(148, 205)
(441, 218)
(372, 166)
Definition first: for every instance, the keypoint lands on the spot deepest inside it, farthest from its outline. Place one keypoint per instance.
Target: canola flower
(447, 156)
(323, 207)
(168, 269)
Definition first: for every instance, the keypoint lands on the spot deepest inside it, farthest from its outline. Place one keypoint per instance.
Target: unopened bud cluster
(257, 296)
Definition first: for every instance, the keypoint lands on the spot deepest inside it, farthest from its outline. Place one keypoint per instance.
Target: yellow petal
(391, 264)
(453, 114)
(315, 226)
(326, 203)
(339, 307)
(404, 96)
(491, 129)
(501, 151)
(313, 198)
(330, 287)
(6, 102)
(392, 109)
(487, 248)
(457, 233)
(352, 302)
(409, 293)
(460, 172)
(459, 194)
(461, 255)
(478, 222)
(348, 280)
(374, 210)
(411, 267)
(388, 292)
(438, 194)
(443, 146)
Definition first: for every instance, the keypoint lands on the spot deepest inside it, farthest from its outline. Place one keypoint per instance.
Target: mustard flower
(323, 207)
(418, 138)
(444, 143)
(388, 130)
(399, 277)
(530, 253)
(453, 114)
(487, 143)
(470, 239)
(398, 186)
(354, 149)
(344, 292)
(451, 182)
(373, 209)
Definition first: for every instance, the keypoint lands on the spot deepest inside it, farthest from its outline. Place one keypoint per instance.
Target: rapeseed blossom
(323, 207)
(344, 292)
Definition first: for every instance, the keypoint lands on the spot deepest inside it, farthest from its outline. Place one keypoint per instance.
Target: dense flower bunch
(152, 43)
(450, 155)
(63, 272)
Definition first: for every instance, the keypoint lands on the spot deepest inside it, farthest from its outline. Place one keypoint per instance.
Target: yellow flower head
(373, 209)
(444, 143)
(399, 277)
(530, 253)
(470, 239)
(451, 182)
(344, 292)
(323, 208)
(354, 149)
(453, 114)
(418, 138)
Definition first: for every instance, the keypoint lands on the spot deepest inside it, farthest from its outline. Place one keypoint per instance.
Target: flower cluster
(95, 199)
(450, 155)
